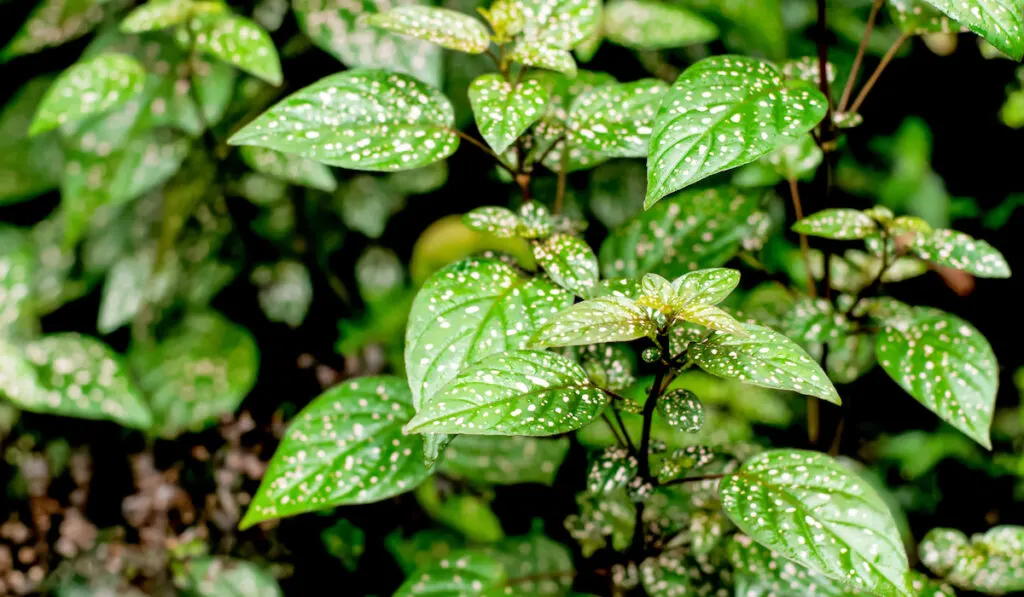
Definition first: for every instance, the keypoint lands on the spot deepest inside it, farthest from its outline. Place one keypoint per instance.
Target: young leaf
(503, 112)
(363, 120)
(345, 447)
(960, 251)
(723, 112)
(71, 375)
(706, 286)
(839, 224)
(461, 574)
(810, 509)
(441, 26)
(290, 168)
(613, 468)
(1000, 22)
(499, 221)
(693, 229)
(649, 25)
(156, 14)
(87, 88)
(763, 358)
(523, 392)
(543, 55)
(603, 319)
(569, 261)
(682, 410)
(499, 460)
(237, 41)
(946, 365)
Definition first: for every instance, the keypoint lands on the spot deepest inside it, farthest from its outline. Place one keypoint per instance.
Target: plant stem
(805, 249)
(484, 149)
(562, 176)
(828, 125)
(848, 89)
(614, 431)
(625, 433)
(813, 420)
(878, 71)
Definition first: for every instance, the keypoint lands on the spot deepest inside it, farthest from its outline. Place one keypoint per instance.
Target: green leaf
(569, 261)
(613, 468)
(723, 112)
(346, 542)
(917, 17)
(338, 28)
(666, 575)
(495, 460)
(544, 56)
(503, 112)
(523, 392)
(468, 513)
(1000, 22)
(839, 224)
(133, 281)
(763, 358)
(225, 577)
(535, 565)
(560, 24)
(946, 365)
(650, 25)
(991, 562)
(810, 509)
(286, 291)
(364, 120)
(87, 88)
(609, 366)
(805, 68)
(345, 447)
(156, 14)
(71, 375)
(461, 574)
(54, 22)
(761, 572)
(238, 41)
(603, 319)
(17, 272)
(290, 168)
(201, 370)
(798, 160)
(690, 230)
(441, 26)
(682, 410)
(499, 221)
(812, 321)
(609, 516)
(960, 251)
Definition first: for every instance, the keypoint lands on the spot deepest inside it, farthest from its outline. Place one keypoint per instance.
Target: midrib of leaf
(530, 394)
(500, 316)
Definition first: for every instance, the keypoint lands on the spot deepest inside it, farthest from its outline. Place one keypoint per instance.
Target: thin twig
(848, 89)
(837, 441)
(562, 176)
(614, 431)
(625, 432)
(484, 149)
(805, 248)
(497, 61)
(813, 420)
(878, 71)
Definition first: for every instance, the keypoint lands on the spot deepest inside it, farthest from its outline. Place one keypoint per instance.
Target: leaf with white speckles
(1000, 22)
(764, 358)
(535, 565)
(156, 14)
(503, 112)
(990, 562)
(805, 68)
(603, 319)
(603, 518)
(238, 41)
(812, 321)
(444, 27)
(723, 112)
(72, 375)
(690, 230)
(544, 56)
(87, 88)
(650, 25)
(946, 365)
(838, 224)
(499, 221)
(761, 572)
(54, 22)
(525, 392)
(611, 469)
(17, 272)
(919, 18)
(345, 447)
(812, 510)
(798, 160)
(666, 575)
(290, 168)
(201, 370)
(609, 366)
(364, 120)
(132, 281)
(227, 577)
(569, 262)
(286, 291)
(535, 221)
(500, 460)
(560, 23)
(460, 574)
(682, 410)
(960, 251)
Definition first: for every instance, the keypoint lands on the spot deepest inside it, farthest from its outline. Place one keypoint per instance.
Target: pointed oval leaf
(238, 41)
(289, 167)
(682, 409)
(500, 460)
(525, 392)
(441, 26)
(723, 112)
(613, 468)
(560, 23)
(961, 251)
(72, 375)
(946, 365)
(499, 221)
(604, 319)
(917, 17)
(839, 224)
(569, 261)
(503, 112)
(461, 574)
(363, 120)
(812, 510)
(798, 160)
(87, 88)
(761, 572)
(156, 14)
(648, 25)
(991, 562)
(535, 565)
(609, 366)
(1000, 22)
(707, 286)
(344, 447)
(763, 358)
(223, 577)
(543, 55)
(54, 22)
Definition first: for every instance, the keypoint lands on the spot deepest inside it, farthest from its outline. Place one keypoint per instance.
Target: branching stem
(855, 69)
(870, 84)
(805, 248)
(484, 149)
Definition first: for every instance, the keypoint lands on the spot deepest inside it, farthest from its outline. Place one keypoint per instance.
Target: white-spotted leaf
(345, 447)
(917, 17)
(289, 167)
(614, 467)
(797, 160)
(504, 111)
(761, 572)
(1000, 22)
(723, 112)
(764, 358)
(461, 574)
(87, 88)
(837, 223)
(221, 577)
(500, 460)
(812, 510)
(604, 319)
(682, 410)
(363, 120)
(559, 23)
(960, 251)
(499, 221)
(525, 392)
(651, 25)
(990, 562)
(238, 41)
(156, 14)
(543, 55)
(569, 261)
(446, 28)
